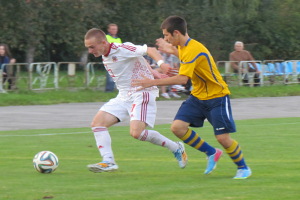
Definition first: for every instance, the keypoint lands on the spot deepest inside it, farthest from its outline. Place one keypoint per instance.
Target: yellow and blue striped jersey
(197, 63)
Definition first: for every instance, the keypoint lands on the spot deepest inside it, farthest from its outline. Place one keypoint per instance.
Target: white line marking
(72, 133)
(42, 134)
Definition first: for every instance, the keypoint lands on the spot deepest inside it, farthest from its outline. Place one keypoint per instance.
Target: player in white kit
(125, 62)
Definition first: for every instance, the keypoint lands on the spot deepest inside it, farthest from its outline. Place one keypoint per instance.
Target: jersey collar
(187, 42)
(108, 50)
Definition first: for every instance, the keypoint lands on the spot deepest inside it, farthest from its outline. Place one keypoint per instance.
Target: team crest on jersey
(114, 58)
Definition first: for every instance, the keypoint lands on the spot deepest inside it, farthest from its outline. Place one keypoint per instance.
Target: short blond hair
(95, 33)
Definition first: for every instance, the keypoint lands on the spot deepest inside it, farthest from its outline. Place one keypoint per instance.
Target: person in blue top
(6, 58)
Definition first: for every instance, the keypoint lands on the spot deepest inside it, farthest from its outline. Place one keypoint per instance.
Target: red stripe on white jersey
(113, 46)
(130, 48)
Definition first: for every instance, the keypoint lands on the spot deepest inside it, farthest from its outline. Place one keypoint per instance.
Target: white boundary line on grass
(42, 134)
(72, 133)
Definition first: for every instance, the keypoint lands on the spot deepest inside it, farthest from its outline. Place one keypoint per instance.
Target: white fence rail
(270, 72)
(51, 75)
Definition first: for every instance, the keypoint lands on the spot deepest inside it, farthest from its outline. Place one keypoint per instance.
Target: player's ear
(103, 42)
(176, 33)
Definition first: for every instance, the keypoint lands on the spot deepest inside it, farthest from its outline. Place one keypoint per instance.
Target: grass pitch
(151, 172)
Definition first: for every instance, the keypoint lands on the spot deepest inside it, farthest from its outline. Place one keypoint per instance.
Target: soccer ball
(45, 162)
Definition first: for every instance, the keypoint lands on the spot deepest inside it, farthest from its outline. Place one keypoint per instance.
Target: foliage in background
(41, 30)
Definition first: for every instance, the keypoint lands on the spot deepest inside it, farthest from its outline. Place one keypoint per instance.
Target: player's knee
(135, 134)
(220, 139)
(177, 130)
(224, 139)
(93, 124)
(174, 128)
(102, 123)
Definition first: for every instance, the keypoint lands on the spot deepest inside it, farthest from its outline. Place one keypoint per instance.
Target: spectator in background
(6, 58)
(239, 54)
(111, 37)
(170, 91)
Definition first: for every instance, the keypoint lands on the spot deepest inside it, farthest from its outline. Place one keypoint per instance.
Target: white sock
(103, 141)
(156, 138)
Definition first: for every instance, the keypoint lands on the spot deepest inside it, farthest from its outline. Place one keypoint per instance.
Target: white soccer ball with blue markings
(45, 162)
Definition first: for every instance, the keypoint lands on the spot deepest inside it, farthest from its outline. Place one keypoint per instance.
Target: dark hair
(173, 23)
(6, 49)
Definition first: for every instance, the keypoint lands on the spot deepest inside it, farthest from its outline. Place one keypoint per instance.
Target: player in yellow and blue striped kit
(209, 97)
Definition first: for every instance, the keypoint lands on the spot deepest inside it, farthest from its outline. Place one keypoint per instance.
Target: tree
(43, 30)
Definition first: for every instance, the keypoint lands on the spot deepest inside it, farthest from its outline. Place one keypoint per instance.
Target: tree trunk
(30, 54)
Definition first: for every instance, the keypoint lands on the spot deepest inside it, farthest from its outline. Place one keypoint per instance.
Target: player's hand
(166, 68)
(158, 75)
(164, 46)
(12, 61)
(142, 83)
(172, 72)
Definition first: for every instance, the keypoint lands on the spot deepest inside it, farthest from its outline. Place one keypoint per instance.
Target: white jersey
(125, 62)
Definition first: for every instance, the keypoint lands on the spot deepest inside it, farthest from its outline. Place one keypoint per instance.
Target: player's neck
(183, 40)
(107, 49)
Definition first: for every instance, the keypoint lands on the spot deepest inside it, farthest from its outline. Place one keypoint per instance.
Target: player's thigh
(113, 111)
(104, 119)
(192, 111)
(221, 116)
(144, 108)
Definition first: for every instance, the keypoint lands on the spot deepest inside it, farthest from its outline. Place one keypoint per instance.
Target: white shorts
(141, 106)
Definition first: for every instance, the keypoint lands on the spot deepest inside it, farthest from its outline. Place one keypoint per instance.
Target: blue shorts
(217, 111)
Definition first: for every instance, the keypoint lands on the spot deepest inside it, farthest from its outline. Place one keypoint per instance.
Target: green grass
(54, 97)
(265, 91)
(150, 172)
(88, 95)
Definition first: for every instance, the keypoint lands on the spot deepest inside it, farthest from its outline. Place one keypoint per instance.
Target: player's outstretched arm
(166, 47)
(146, 82)
(155, 55)
(156, 73)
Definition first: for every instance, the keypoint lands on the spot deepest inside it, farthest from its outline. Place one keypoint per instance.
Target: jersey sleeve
(130, 50)
(188, 64)
(187, 69)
